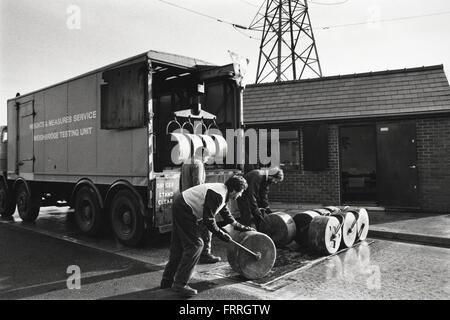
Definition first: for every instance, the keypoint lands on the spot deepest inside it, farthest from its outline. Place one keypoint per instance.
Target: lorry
(101, 142)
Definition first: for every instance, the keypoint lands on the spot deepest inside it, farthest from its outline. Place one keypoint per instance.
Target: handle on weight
(353, 225)
(256, 255)
(361, 230)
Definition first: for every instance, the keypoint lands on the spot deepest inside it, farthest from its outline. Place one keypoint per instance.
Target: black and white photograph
(220, 157)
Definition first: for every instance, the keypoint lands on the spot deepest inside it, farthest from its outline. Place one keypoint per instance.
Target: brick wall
(433, 163)
(312, 187)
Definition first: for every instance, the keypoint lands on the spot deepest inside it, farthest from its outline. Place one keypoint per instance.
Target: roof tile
(370, 94)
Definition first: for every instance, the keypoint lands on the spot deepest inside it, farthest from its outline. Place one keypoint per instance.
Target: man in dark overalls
(192, 174)
(254, 202)
(193, 207)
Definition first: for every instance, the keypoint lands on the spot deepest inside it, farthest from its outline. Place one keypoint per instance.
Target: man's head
(275, 175)
(236, 185)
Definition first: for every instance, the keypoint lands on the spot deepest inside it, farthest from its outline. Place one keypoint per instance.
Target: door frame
(18, 128)
(400, 122)
(372, 124)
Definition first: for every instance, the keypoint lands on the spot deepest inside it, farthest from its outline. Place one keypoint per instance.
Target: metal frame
(151, 174)
(286, 26)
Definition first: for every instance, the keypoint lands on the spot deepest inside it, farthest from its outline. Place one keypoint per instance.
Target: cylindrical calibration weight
(246, 264)
(302, 222)
(280, 227)
(324, 235)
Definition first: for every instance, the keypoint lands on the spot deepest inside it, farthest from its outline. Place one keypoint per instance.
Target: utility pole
(288, 49)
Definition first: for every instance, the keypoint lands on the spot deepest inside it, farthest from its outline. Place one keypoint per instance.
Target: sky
(45, 42)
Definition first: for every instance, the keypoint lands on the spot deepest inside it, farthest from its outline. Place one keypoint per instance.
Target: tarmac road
(34, 266)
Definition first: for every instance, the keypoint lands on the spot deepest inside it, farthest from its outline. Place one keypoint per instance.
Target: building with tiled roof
(380, 138)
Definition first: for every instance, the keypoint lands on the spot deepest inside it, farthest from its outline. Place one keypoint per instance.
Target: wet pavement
(383, 270)
(433, 229)
(374, 269)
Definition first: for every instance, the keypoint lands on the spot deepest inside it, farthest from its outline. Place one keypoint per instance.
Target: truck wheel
(7, 205)
(28, 206)
(127, 219)
(88, 213)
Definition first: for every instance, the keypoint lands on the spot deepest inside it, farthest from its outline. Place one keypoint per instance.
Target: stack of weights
(347, 221)
(280, 227)
(362, 220)
(328, 229)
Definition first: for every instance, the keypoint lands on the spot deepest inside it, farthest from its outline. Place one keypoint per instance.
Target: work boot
(166, 284)
(185, 291)
(209, 258)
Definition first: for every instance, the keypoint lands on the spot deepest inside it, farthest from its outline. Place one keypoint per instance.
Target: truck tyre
(88, 212)
(28, 205)
(127, 218)
(7, 205)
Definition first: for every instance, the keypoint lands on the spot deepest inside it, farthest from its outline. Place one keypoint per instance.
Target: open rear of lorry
(102, 142)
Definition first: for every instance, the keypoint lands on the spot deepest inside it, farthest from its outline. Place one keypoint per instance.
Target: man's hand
(265, 211)
(224, 236)
(239, 227)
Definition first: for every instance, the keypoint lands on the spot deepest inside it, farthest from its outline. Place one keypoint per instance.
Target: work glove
(242, 228)
(223, 236)
(265, 211)
(261, 222)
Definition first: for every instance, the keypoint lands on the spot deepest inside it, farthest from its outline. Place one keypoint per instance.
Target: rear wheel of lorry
(7, 205)
(127, 219)
(28, 205)
(88, 212)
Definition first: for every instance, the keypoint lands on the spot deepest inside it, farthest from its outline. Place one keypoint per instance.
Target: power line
(310, 1)
(329, 3)
(386, 20)
(238, 26)
(250, 4)
(246, 35)
(203, 14)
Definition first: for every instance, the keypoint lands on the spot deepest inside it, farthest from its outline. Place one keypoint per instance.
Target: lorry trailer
(102, 142)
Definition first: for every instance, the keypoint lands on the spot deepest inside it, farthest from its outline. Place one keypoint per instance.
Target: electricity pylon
(288, 50)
